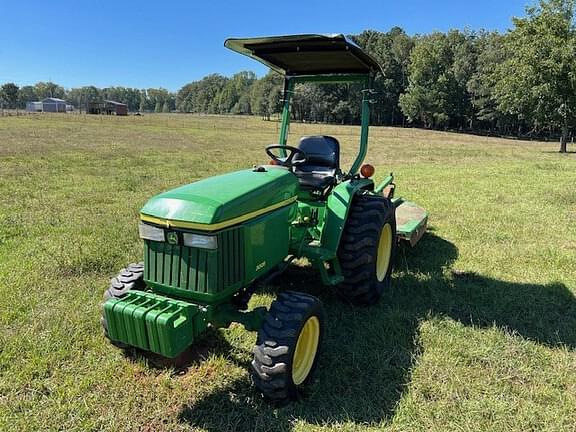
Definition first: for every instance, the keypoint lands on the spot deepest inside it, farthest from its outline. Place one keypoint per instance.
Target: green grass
(478, 332)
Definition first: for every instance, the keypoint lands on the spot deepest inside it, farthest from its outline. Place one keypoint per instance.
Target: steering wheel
(287, 161)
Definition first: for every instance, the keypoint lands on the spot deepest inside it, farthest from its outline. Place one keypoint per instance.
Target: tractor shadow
(210, 343)
(369, 353)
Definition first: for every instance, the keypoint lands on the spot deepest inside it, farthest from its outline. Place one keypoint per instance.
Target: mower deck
(411, 221)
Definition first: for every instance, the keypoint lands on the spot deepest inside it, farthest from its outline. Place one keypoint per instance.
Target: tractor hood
(223, 200)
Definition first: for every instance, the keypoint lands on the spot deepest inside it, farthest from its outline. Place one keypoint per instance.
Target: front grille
(193, 269)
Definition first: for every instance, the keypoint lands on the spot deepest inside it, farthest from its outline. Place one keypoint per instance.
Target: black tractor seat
(319, 171)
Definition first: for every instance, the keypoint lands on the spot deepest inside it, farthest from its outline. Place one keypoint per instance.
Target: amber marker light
(367, 170)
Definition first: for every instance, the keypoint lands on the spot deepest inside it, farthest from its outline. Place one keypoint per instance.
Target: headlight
(149, 232)
(200, 241)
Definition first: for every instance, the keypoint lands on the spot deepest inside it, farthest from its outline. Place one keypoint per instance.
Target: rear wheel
(129, 278)
(367, 249)
(286, 351)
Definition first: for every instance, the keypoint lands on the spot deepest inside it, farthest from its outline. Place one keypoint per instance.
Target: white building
(49, 105)
(53, 105)
(34, 106)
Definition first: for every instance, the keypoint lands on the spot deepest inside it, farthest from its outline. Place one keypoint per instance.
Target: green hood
(218, 199)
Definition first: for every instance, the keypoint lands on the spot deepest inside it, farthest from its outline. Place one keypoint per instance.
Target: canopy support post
(288, 89)
(365, 123)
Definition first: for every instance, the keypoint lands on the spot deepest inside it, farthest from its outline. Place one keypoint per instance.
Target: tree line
(519, 83)
(150, 100)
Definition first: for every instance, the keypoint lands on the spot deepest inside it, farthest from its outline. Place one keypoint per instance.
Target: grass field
(477, 334)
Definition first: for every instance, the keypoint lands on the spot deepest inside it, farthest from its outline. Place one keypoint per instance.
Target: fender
(337, 208)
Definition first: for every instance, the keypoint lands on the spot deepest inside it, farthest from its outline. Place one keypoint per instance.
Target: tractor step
(314, 251)
(411, 221)
(326, 262)
(153, 323)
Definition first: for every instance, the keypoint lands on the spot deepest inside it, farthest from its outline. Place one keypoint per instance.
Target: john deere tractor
(208, 244)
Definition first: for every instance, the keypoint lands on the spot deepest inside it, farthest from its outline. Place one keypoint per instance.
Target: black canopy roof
(307, 54)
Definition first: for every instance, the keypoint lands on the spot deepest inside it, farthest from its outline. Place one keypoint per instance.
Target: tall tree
(392, 51)
(9, 95)
(80, 97)
(26, 94)
(142, 105)
(230, 95)
(465, 56)
(266, 95)
(49, 89)
(185, 98)
(427, 95)
(537, 81)
(202, 96)
(483, 80)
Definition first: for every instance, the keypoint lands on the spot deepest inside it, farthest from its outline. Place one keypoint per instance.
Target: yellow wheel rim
(305, 351)
(384, 252)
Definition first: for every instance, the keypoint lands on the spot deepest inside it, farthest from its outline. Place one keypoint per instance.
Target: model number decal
(261, 266)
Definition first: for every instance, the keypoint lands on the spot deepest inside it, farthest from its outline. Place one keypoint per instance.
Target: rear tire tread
(358, 249)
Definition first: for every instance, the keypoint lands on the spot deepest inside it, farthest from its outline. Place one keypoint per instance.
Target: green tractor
(208, 244)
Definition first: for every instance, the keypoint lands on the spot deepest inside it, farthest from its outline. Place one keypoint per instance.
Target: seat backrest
(322, 150)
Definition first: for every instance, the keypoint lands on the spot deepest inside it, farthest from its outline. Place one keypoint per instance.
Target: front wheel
(286, 351)
(129, 278)
(367, 249)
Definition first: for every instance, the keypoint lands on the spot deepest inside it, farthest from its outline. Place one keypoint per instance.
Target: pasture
(478, 332)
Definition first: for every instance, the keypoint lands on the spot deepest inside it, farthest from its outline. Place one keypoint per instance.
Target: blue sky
(169, 43)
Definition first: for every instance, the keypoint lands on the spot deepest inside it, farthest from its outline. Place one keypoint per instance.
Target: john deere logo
(172, 238)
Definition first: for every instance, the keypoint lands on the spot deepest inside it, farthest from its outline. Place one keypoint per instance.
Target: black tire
(129, 278)
(273, 367)
(358, 250)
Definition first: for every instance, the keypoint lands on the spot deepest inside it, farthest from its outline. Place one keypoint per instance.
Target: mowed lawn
(478, 332)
